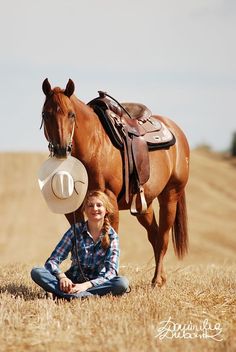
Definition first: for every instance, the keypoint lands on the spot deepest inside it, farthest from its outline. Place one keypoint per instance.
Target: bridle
(57, 149)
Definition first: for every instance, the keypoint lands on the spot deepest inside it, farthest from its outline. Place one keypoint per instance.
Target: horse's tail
(180, 228)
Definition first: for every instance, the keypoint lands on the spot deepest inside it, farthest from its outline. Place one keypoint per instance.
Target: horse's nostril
(59, 151)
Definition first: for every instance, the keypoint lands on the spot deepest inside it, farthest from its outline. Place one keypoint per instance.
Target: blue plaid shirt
(98, 264)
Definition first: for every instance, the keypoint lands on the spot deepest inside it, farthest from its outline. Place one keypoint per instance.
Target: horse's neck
(88, 134)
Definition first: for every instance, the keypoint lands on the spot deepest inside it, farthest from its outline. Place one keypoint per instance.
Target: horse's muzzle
(60, 151)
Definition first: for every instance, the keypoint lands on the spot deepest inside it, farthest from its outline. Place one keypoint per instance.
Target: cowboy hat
(63, 183)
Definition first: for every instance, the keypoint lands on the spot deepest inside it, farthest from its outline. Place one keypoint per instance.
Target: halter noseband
(56, 149)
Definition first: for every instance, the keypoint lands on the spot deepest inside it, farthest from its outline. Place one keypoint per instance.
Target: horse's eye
(71, 115)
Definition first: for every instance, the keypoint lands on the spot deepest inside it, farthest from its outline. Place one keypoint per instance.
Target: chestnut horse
(71, 126)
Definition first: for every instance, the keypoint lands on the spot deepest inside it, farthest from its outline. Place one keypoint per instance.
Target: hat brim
(80, 177)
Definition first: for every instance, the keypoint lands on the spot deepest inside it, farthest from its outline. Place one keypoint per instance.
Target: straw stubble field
(195, 311)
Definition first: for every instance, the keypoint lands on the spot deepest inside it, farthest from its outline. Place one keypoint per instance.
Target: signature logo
(168, 329)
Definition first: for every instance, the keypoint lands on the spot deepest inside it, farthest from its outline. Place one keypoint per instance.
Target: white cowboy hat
(63, 183)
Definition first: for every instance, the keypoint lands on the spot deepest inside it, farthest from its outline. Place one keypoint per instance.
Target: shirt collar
(85, 231)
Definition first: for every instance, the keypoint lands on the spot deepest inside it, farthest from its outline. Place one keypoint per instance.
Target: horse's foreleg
(148, 221)
(74, 217)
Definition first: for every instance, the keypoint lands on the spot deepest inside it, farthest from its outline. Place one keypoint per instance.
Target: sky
(176, 57)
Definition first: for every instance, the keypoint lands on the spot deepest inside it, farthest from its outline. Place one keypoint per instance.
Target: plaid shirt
(98, 264)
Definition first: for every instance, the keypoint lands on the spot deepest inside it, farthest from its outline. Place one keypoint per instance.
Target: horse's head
(58, 117)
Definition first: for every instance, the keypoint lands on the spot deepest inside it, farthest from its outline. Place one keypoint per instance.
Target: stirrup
(133, 208)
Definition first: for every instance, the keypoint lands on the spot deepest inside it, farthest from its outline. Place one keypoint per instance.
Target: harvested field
(199, 297)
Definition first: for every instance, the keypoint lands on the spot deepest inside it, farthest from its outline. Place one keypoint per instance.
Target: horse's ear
(70, 87)
(46, 86)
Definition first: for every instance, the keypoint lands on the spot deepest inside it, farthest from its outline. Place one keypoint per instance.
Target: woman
(94, 248)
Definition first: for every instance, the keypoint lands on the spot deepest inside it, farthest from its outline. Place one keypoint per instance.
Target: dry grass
(128, 323)
(201, 287)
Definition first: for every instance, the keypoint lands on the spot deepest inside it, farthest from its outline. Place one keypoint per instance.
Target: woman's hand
(66, 285)
(76, 288)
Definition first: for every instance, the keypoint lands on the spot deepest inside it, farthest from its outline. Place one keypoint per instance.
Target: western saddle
(132, 128)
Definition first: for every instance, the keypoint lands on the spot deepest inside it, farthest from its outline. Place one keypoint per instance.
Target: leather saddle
(132, 128)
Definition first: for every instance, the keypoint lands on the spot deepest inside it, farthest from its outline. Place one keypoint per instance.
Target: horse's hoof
(158, 282)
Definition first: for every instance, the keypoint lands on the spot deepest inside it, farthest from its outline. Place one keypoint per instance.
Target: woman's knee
(36, 273)
(120, 285)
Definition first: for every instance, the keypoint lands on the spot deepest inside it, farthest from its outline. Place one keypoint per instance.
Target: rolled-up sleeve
(60, 253)
(111, 263)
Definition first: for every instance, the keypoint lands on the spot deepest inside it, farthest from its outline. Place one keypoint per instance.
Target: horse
(73, 127)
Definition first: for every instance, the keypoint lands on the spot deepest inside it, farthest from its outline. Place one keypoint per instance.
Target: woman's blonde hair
(109, 213)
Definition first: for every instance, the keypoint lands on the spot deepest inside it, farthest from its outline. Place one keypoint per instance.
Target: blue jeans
(41, 276)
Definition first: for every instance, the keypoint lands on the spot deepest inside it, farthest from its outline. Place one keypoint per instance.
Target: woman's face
(95, 209)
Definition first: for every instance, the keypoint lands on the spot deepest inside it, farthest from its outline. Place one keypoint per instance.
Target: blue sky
(177, 57)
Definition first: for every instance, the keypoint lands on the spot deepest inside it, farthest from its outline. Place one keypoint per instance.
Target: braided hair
(108, 217)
